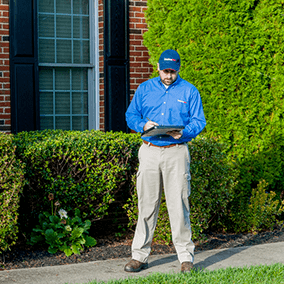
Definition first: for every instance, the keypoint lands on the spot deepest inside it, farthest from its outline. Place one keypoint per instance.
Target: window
(68, 80)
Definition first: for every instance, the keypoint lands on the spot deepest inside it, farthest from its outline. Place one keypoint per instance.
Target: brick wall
(101, 63)
(140, 69)
(5, 110)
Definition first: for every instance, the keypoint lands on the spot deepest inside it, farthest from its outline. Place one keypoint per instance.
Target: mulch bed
(23, 256)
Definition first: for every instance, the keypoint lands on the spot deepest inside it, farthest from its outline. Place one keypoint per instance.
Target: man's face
(168, 76)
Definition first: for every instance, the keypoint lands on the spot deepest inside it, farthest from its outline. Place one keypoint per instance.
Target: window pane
(81, 27)
(46, 51)
(63, 26)
(46, 26)
(62, 122)
(81, 7)
(64, 39)
(80, 123)
(62, 79)
(45, 78)
(46, 6)
(79, 103)
(64, 51)
(62, 103)
(79, 79)
(81, 52)
(46, 103)
(63, 6)
(46, 123)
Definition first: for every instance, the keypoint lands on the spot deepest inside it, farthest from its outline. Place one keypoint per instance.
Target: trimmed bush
(11, 185)
(212, 188)
(82, 170)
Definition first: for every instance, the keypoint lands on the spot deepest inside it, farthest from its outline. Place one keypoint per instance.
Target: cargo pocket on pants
(187, 178)
(186, 190)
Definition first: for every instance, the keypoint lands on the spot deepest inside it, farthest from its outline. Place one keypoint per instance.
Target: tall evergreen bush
(232, 51)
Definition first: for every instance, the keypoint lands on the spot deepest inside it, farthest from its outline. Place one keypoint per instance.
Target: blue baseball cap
(169, 59)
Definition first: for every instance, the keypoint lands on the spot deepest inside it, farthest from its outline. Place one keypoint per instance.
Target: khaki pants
(166, 168)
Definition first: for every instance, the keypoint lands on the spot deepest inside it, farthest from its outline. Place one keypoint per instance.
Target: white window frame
(93, 67)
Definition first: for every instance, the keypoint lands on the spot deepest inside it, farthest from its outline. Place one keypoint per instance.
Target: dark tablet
(161, 130)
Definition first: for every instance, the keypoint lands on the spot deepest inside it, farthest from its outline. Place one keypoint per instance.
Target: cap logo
(169, 59)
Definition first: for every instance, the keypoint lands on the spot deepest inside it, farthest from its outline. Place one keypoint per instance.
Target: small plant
(62, 233)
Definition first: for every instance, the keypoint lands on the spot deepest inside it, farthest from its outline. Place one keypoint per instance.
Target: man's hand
(175, 134)
(149, 124)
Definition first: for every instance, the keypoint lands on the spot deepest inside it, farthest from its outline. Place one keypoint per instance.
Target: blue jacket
(179, 104)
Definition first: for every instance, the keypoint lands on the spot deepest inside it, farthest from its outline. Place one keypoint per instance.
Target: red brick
(137, 9)
(8, 110)
(5, 14)
(4, 20)
(135, 20)
(135, 53)
(4, 79)
(136, 42)
(139, 15)
(5, 116)
(135, 64)
(4, 92)
(4, 104)
(140, 80)
(4, 55)
(142, 58)
(140, 26)
(4, 44)
(8, 122)
(4, 7)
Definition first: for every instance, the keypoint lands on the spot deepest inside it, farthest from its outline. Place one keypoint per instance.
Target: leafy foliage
(261, 211)
(82, 170)
(69, 235)
(11, 184)
(232, 51)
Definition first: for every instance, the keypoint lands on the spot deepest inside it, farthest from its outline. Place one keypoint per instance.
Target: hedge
(83, 170)
(11, 185)
(89, 170)
(232, 51)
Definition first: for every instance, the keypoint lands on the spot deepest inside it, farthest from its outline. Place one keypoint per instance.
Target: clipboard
(161, 130)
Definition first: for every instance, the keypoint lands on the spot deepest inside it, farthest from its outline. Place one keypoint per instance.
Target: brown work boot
(135, 266)
(186, 266)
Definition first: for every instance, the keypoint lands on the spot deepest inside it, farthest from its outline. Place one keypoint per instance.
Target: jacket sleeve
(197, 119)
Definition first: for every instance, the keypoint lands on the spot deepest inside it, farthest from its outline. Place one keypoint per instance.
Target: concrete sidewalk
(113, 269)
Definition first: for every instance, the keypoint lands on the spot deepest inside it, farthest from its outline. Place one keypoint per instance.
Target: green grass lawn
(263, 274)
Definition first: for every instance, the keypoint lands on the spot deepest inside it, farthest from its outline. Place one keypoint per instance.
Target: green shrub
(232, 51)
(63, 233)
(259, 213)
(11, 185)
(212, 188)
(83, 170)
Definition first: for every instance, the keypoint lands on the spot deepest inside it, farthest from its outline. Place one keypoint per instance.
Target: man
(164, 160)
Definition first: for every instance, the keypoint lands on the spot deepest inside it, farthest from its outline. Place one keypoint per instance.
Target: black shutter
(23, 66)
(116, 51)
